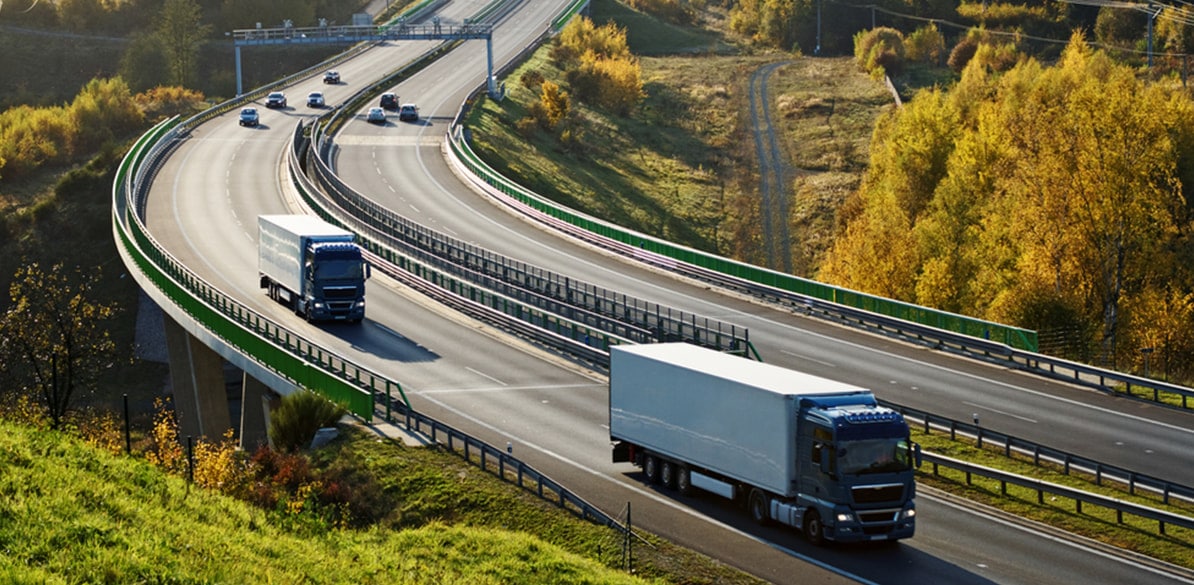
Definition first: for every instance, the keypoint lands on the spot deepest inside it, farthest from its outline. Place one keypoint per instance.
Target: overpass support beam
(196, 374)
(257, 400)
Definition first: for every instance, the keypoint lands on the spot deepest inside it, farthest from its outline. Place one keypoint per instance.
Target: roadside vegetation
(362, 509)
(1136, 534)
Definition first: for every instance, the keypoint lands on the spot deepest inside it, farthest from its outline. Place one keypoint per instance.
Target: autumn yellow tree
(1048, 197)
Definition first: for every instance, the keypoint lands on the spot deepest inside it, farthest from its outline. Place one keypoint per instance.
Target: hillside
(72, 513)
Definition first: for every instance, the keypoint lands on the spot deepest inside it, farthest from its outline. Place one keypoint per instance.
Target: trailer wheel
(667, 474)
(684, 481)
(759, 505)
(651, 469)
(814, 531)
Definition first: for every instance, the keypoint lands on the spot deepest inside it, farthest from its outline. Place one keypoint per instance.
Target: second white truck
(793, 448)
(312, 266)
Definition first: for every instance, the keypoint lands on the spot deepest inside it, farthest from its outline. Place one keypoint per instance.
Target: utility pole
(817, 50)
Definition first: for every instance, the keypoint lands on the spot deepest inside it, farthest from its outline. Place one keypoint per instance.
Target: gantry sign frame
(350, 34)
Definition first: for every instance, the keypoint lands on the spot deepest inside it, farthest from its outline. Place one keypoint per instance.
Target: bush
(925, 45)
(880, 51)
(294, 423)
(962, 53)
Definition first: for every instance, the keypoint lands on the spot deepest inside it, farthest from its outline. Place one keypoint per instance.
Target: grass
(682, 166)
(1134, 534)
(70, 512)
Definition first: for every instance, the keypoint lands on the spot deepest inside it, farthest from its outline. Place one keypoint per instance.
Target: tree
(54, 345)
(143, 65)
(180, 32)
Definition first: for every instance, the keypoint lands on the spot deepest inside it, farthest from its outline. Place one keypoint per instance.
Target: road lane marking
(997, 411)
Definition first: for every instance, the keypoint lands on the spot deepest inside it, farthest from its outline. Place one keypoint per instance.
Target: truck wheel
(667, 475)
(684, 481)
(651, 469)
(759, 505)
(814, 531)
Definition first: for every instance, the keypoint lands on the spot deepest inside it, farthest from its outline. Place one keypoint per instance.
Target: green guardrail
(1016, 337)
(572, 10)
(281, 351)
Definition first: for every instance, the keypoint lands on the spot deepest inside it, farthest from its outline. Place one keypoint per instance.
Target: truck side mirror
(368, 270)
(916, 454)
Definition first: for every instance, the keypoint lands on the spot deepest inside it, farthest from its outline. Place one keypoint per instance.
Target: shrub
(294, 423)
(532, 80)
(880, 51)
(925, 45)
(962, 53)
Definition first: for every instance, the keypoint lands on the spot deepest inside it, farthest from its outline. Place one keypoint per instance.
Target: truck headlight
(908, 514)
(360, 303)
(318, 305)
(845, 517)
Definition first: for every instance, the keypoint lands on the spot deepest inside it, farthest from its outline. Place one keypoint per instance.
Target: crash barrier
(1040, 453)
(505, 466)
(1041, 488)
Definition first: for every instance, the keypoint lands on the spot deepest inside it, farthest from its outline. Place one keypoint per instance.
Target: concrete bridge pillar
(200, 397)
(256, 403)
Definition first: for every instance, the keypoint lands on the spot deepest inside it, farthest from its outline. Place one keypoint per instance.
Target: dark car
(276, 99)
(248, 117)
(408, 113)
(389, 101)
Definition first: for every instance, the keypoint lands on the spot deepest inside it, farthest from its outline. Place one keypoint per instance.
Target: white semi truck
(812, 453)
(312, 266)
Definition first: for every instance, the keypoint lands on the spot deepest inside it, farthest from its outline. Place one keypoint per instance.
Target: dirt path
(773, 173)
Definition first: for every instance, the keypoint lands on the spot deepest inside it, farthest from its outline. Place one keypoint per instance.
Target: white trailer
(313, 266)
(767, 436)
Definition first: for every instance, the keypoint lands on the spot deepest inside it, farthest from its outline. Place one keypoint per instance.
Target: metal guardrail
(505, 466)
(271, 345)
(552, 330)
(615, 313)
(1068, 461)
(726, 271)
(1041, 487)
(755, 281)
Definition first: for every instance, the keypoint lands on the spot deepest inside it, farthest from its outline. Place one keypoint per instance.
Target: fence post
(128, 439)
(190, 460)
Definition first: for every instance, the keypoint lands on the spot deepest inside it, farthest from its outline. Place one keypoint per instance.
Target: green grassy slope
(72, 513)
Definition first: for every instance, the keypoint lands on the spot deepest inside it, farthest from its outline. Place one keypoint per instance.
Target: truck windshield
(874, 456)
(339, 269)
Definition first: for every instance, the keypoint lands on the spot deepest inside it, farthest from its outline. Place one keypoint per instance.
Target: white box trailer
(761, 434)
(312, 266)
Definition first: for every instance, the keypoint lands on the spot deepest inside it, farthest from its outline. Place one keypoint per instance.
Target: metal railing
(712, 266)
(505, 466)
(1040, 453)
(971, 337)
(1120, 507)
(614, 313)
(548, 329)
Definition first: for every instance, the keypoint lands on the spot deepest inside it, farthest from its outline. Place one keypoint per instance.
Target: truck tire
(814, 531)
(667, 474)
(759, 505)
(651, 469)
(684, 481)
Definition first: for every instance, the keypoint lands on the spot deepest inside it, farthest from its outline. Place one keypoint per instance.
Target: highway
(203, 208)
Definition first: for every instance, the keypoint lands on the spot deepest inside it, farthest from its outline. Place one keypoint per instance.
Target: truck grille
(874, 494)
(340, 293)
(878, 516)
